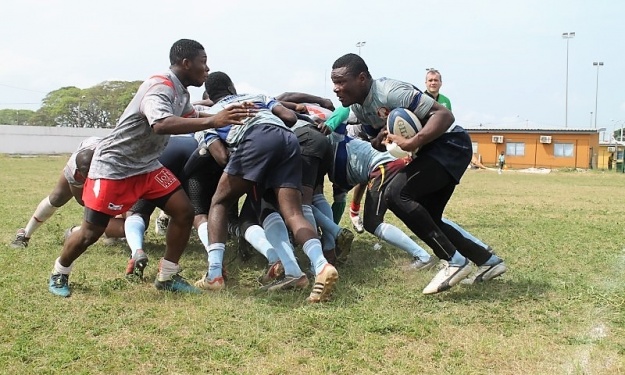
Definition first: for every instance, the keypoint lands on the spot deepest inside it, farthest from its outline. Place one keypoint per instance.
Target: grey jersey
(387, 94)
(452, 149)
(354, 160)
(133, 147)
(263, 103)
(70, 167)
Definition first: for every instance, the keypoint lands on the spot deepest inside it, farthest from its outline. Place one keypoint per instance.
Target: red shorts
(114, 197)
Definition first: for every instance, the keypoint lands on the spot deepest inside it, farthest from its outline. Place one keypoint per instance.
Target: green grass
(560, 309)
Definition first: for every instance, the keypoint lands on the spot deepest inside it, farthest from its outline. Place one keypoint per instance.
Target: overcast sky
(503, 63)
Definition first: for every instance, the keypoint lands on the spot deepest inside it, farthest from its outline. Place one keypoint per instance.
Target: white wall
(18, 139)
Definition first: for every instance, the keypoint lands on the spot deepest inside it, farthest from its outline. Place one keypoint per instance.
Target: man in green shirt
(433, 83)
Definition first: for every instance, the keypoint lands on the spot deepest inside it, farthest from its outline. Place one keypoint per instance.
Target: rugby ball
(404, 122)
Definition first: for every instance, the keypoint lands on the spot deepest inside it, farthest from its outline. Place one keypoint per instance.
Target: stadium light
(567, 36)
(597, 64)
(360, 45)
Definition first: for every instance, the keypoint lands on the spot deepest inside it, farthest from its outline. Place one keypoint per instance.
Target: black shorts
(268, 155)
(202, 176)
(314, 147)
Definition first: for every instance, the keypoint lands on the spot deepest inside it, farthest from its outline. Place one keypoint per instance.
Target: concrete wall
(17, 139)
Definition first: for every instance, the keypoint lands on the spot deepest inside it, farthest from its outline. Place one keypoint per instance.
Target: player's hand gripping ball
(404, 122)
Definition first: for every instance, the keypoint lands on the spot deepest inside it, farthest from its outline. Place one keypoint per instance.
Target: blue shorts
(268, 155)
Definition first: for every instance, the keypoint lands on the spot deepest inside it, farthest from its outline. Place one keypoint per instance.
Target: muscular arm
(300, 97)
(299, 108)
(285, 114)
(439, 119)
(181, 125)
(219, 152)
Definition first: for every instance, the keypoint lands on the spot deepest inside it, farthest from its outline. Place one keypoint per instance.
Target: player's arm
(300, 97)
(219, 152)
(157, 106)
(436, 120)
(286, 115)
(232, 115)
(299, 108)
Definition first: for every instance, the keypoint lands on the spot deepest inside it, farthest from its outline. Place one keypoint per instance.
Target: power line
(17, 103)
(21, 88)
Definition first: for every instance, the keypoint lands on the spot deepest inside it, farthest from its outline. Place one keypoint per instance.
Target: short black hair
(354, 64)
(184, 49)
(218, 85)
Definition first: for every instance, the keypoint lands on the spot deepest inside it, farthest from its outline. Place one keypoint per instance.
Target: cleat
(324, 284)
(137, 264)
(344, 242)
(214, 285)
(357, 223)
(286, 283)
(109, 241)
(175, 283)
(59, 285)
(20, 241)
(274, 272)
(161, 224)
(447, 277)
(419, 265)
(485, 273)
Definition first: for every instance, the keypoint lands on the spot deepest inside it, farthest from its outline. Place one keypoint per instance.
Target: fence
(17, 139)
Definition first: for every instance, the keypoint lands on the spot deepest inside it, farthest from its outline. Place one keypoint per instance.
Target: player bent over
(267, 156)
(69, 185)
(125, 166)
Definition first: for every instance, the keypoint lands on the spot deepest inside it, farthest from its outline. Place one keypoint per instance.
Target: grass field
(560, 308)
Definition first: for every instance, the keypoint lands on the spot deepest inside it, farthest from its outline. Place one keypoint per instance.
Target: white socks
(43, 212)
(58, 268)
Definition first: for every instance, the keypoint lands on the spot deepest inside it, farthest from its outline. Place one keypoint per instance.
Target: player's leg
(374, 211)
(425, 180)
(354, 208)
(92, 227)
(60, 195)
(229, 189)
(135, 226)
(164, 190)
(489, 265)
(278, 236)
(285, 178)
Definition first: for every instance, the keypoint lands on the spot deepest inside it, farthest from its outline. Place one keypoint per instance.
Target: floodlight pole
(567, 36)
(360, 45)
(597, 64)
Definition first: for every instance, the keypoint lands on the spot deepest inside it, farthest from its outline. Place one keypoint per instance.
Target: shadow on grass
(498, 289)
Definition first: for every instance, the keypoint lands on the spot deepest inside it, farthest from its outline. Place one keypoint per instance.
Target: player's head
(83, 161)
(433, 81)
(188, 61)
(351, 78)
(219, 85)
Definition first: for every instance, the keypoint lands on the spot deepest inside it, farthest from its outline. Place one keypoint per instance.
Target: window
(515, 149)
(563, 150)
(474, 145)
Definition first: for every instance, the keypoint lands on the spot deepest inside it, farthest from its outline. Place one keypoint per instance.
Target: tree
(99, 106)
(16, 116)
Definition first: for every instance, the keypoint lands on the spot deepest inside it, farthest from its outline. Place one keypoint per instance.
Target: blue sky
(503, 63)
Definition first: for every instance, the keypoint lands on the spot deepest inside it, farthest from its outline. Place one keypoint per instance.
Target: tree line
(99, 106)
